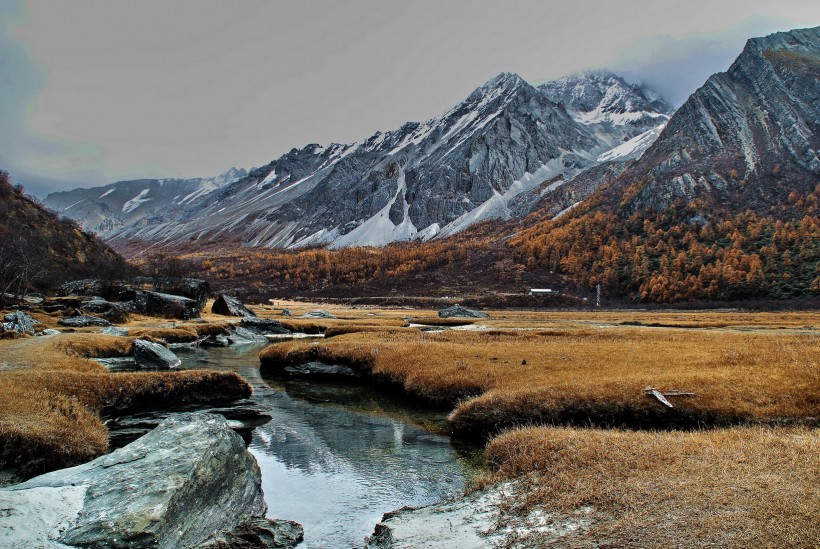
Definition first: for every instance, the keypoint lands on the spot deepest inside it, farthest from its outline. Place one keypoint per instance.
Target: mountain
(746, 139)
(104, 209)
(40, 250)
(723, 205)
(492, 156)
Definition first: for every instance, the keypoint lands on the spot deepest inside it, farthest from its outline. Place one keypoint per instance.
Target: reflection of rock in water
(323, 439)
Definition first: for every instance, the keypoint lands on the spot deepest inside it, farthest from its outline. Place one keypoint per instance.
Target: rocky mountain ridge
(105, 209)
(494, 155)
(746, 139)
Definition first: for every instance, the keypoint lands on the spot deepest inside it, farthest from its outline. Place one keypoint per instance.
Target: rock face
(153, 356)
(746, 139)
(262, 326)
(83, 321)
(19, 322)
(422, 179)
(184, 481)
(459, 311)
(230, 306)
(166, 305)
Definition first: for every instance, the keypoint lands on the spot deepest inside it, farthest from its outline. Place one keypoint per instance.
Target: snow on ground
(109, 191)
(634, 148)
(379, 230)
(135, 202)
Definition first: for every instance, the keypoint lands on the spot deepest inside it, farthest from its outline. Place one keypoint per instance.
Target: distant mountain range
(492, 156)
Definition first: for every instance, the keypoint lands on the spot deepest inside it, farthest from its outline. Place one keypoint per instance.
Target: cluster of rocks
(460, 311)
(181, 298)
(170, 488)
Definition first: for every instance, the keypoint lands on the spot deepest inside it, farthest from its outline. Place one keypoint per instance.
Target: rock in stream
(189, 479)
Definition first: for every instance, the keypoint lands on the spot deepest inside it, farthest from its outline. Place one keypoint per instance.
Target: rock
(34, 298)
(89, 286)
(166, 305)
(286, 312)
(114, 331)
(243, 336)
(243, 416)
(230, 306)
(183, 482)
(96, 304)
(219, 340)
(319, 313)
(458, 310)
(19, 322)
(263, 326)
(192, 288)
(258, 533)
(320, 370)
(49, 332)
(83, 321)
(153, 356)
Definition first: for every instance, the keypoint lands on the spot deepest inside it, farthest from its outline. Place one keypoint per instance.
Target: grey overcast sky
(96, 91)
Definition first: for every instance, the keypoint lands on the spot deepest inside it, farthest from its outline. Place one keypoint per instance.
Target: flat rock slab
(263, 326)
(320, 313)
(186, 480)
(83, 321)
(465, 523)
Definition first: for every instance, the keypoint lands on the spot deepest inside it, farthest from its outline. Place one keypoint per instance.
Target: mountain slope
(38, 249)
(723, 205)
(104, 209)
(747, 138)
(492, 156)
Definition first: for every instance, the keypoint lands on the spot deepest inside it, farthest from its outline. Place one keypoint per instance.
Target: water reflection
(336, 457)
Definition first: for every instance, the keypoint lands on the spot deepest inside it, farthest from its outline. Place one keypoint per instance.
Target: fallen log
(651, 391)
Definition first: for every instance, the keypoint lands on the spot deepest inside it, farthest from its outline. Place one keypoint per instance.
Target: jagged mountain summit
(745, 140)
(105, 209)
(491, 156)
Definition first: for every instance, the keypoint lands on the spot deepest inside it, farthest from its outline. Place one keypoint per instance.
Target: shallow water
(335, 458)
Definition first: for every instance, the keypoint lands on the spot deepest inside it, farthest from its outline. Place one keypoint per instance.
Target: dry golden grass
(506, 378)
(739, 487)
(364, 328)
(169, 335)
(52, 398)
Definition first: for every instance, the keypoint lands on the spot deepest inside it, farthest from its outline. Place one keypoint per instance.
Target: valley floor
(576, 434)
(580, 453)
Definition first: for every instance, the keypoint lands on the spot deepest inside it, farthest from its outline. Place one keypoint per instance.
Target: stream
(336, 457)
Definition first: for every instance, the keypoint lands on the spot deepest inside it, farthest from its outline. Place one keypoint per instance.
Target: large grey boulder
(83, 321)
(186, 480)
(19, 322)
(166, 305)
(153, 356)
(230, 306)
(263, 326)
(459, 311)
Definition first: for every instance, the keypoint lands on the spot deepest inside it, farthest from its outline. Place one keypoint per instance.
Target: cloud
(676, 67)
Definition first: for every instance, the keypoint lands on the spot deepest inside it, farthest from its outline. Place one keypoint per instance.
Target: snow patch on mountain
(634, 148)
(136, 201)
